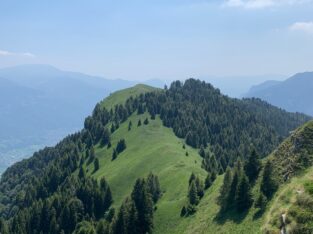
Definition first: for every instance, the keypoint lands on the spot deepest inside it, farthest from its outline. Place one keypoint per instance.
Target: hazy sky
(166, 39)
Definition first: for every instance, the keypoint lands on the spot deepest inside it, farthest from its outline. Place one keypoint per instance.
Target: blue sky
(164, 39)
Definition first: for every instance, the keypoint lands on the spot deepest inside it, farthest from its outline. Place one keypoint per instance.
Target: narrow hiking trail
(283, 220)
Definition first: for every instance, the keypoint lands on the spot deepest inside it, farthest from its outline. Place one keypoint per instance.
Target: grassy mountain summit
(147, 160)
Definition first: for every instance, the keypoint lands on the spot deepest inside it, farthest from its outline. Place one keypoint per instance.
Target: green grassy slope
(150, 148)
(121, 96)
(155, 148)
(295, 153)
(286, 199)
(293, 162)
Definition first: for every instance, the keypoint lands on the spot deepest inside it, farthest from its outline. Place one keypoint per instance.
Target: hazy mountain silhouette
(294, 94)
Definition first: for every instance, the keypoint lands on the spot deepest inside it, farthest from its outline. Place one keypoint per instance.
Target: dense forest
(51, 192)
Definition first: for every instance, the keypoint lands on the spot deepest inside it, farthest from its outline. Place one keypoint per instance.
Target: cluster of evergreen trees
(136, 213)
(120, 147)
(235, 192)
(195, 193)
(76, 200)
(203, 116)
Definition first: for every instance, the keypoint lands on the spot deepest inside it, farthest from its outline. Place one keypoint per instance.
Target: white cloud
(306, 27)
(8, 53)
(259, 4)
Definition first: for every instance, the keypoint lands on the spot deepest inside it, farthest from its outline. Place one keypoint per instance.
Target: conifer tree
(121, 146)
(96, 164)
(192, 178)
(108, 200)
(261, 202)
(82, 173)
(144, 206)
(132, 223)
(153, 187)
(252, 166)
(202, 152)
(92, 155)
(105, 138)
(268, 183)
(208, 181)
(200, 187)
(130, 125)
(225, 189)
(183, 211)
(114, 154)
(237, 174)
(243, 197)
(139, 123)
(146, 121)
(193, 194)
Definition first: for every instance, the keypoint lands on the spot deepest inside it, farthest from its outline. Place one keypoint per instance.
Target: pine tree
(130, 125)
(82, 173)
(200, 187)
(252, 166)
(108, 200)
(193, 194)
(208, 181)
(213, 176)
(96, 164)
(192, 178)
(225, 189)
(132, 223)
(92, 155)
(268, 183)
(105, 138)
(237, 174)
(153, 187)
(144, 206)
(114, 155)
(103, 184)
(139, 123)
(121, 146)
(243, 197)
(119, 222)
(146, 121)
(183, 211)
(113, 128)
(261, 201)
(202, 152)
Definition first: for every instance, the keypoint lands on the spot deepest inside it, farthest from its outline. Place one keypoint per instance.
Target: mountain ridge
(152, 142)
(293, 94)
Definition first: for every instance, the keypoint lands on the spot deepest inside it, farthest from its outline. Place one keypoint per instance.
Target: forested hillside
(147, 160)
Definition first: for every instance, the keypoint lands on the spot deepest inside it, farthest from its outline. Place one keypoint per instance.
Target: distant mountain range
(294, 94)
(40, 104)
(237, 86)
